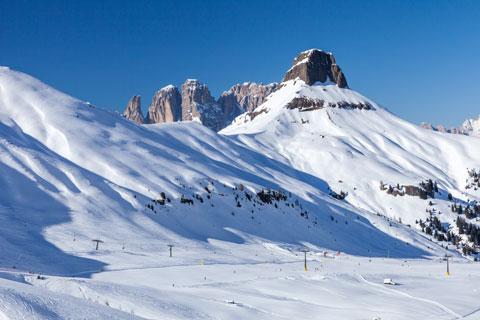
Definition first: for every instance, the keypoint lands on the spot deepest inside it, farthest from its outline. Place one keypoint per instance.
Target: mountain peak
(166, 105)
(133, 111)
(316, 65)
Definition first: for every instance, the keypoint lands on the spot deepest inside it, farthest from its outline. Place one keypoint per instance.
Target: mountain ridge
(316, 168)
(303, 168)
(169, 106)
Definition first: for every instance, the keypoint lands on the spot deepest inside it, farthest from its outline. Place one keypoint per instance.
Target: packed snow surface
(73, 173)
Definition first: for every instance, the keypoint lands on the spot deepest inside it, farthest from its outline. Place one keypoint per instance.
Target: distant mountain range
(468, 127)
(194, 102)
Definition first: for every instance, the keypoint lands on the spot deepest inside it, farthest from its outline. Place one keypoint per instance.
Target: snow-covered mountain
(316, 166)
(97, 167)
(354, 144)
(468, 127)
(471, 127)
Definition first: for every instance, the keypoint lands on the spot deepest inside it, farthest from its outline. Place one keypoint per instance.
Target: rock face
(454, 130)
(441, 128)
(309, 104)
(199, 105)
(316, 65)
(464, 129)
(194, 94)
(250, 95)
(166, 106)
(426, 125)
(195, 103)
(230, 107)
(133, 111)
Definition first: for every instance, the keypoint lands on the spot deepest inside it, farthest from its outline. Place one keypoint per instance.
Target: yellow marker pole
(305, 265)
(448, 269)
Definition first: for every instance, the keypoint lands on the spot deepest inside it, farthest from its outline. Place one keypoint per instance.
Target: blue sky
(420, 59)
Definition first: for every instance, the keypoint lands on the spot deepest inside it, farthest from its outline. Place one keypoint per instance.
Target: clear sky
(420, 59)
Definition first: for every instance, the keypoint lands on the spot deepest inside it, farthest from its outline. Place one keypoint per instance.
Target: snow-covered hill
(301, 171)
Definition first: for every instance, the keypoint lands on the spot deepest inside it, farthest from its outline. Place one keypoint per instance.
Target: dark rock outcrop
(305, 104)
(133, 111)
(412, 190)
(316, 65)
(166, 106)
(309, 104)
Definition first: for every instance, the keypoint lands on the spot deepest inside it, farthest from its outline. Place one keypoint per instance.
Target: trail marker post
(305, 264)
(170, 246)
(448, 269)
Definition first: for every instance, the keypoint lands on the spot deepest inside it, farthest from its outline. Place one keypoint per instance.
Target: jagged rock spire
(133, 111)
(199, 105)
(316, 65)
(166, 106)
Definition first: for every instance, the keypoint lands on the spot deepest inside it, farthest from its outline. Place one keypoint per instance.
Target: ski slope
(72, 173)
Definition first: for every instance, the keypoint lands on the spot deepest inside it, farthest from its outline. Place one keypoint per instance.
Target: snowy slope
(354, 149)
(72, 173)
(102, 170)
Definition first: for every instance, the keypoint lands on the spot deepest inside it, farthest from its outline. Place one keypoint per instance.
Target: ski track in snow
(447, 310)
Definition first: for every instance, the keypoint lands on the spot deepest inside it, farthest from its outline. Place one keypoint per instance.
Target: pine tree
(390, 189)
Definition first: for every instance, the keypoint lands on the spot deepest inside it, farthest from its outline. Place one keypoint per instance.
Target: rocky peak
(166, 106)
(316, 65)
(441, 128)
(230, 107)
(195, 92)
(470, 126)
(426, 125)
(454, 130)
(250, 95)
(133, 111)
(199, 105)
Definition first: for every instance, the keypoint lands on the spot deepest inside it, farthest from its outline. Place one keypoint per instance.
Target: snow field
(74, 173)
